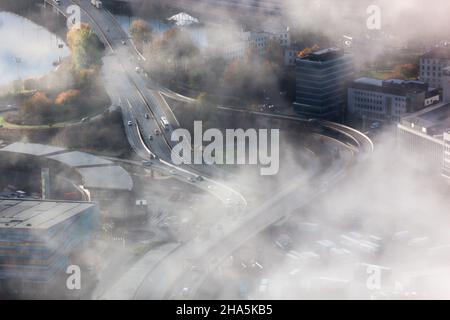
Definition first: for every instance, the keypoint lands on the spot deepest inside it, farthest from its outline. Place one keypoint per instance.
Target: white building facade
(446, 165)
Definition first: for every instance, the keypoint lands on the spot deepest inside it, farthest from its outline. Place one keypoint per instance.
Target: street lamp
(18, 61)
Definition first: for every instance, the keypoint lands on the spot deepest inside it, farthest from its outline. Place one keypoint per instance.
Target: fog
(36, 47)
(392, 191)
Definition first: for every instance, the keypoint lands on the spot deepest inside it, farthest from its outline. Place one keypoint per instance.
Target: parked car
(375, 125)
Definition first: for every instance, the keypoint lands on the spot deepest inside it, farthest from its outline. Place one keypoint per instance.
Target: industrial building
(388, 100)
(38, 240)
(322, 78)
(95, 178)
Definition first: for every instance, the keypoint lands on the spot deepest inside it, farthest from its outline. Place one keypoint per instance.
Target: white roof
(32, 148)
(370, 81)
(183, 19)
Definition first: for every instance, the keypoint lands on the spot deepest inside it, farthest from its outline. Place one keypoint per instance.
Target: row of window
(429, 74)
(429, 68)
(368, 107)
(439, 62)
(368, 93)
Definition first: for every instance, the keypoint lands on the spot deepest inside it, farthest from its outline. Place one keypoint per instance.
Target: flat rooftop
(435, 119)
(324, 55)
(32, 149)
(391, 86)
(38, 214)
(438, 53)
(80, 159)
(95, 172)
(369, 81)
(114, 178)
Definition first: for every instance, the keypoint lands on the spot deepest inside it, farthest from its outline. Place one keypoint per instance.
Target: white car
(130, 123)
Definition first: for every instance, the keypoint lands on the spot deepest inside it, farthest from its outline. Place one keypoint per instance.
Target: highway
(169, 281)
(128, 89)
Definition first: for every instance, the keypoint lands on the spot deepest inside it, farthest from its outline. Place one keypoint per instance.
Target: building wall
(290, 55)
(235, 51)
(380, 103)
(446, 86)
(321, 87)
(423, 147)
(446, 166)
(431, 70)
(38, 255)
(376, 106)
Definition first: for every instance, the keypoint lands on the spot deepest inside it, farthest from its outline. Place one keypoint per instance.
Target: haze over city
(224, 150)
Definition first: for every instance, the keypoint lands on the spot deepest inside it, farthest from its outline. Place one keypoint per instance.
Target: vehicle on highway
(130, 123)
(185, 291)
(199, 178)
(157, 132)
(124, 42)
(96, 3)
(165, 123)
(190, 179)
(263, 285)
(375, 125)
(85, 119)
(150, 137)
(146, 163)
(147, 116)
(58, 2)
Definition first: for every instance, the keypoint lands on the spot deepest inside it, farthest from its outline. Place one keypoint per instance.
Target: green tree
(141, 32)
(85, 46)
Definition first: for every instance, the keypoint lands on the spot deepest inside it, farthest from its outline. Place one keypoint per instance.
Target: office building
(322, 78)
(38, 239)
(388, 100)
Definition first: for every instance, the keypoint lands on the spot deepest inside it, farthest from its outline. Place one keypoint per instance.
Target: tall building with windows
(322, 78)
(38, 239)
(432, 64)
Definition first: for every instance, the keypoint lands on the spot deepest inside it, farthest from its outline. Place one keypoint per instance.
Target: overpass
(141, 106)
(131, 92)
